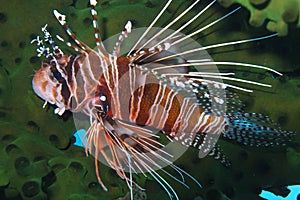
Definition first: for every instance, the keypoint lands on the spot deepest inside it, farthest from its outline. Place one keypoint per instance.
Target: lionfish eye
(104, 102)
(103, 98)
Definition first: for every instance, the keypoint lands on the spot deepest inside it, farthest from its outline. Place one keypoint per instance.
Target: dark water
(38, 159)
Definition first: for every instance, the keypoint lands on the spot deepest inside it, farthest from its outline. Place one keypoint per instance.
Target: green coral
(279, 13)
(293, 157)
(32, 168)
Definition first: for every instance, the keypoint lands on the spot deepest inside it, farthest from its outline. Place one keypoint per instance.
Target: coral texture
(32, 168)
(277, 13)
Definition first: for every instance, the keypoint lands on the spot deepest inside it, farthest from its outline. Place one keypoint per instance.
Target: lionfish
(157, 83)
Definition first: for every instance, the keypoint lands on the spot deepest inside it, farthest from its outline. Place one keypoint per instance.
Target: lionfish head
(47, 85)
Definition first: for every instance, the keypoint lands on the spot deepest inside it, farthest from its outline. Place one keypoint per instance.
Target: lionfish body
(128, 97)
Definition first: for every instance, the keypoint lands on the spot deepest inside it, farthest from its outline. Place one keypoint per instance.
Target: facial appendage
(48, 88)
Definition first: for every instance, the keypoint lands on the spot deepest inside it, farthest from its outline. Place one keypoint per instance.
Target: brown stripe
(44, 85)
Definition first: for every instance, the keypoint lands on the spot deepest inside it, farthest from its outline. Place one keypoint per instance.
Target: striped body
(132, 95)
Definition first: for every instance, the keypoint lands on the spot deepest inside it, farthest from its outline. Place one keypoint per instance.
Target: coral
(293, 157)
(32, 168)
(277, 13)
(5, 88)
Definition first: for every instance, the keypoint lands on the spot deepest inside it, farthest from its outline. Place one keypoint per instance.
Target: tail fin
(254, 129)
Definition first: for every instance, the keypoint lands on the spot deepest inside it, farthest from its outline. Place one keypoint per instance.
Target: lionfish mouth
(147, 94)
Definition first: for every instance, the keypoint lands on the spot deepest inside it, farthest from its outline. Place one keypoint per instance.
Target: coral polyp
(277, 14)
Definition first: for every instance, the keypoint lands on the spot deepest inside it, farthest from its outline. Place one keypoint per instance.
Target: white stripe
(141, 87)
(95, 24)
(155, 103)
(166, 111)
(186, 119)
(94, 12)
(151, 119)
(199, 123)
(182, 109)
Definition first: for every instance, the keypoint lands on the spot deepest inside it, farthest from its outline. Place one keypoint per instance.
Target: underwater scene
(149, 99)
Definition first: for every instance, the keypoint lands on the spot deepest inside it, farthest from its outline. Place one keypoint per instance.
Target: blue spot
(273, 76)
(79, 137)
(295, 191)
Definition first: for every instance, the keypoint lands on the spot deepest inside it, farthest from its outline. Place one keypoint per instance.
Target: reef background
(37, 158)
